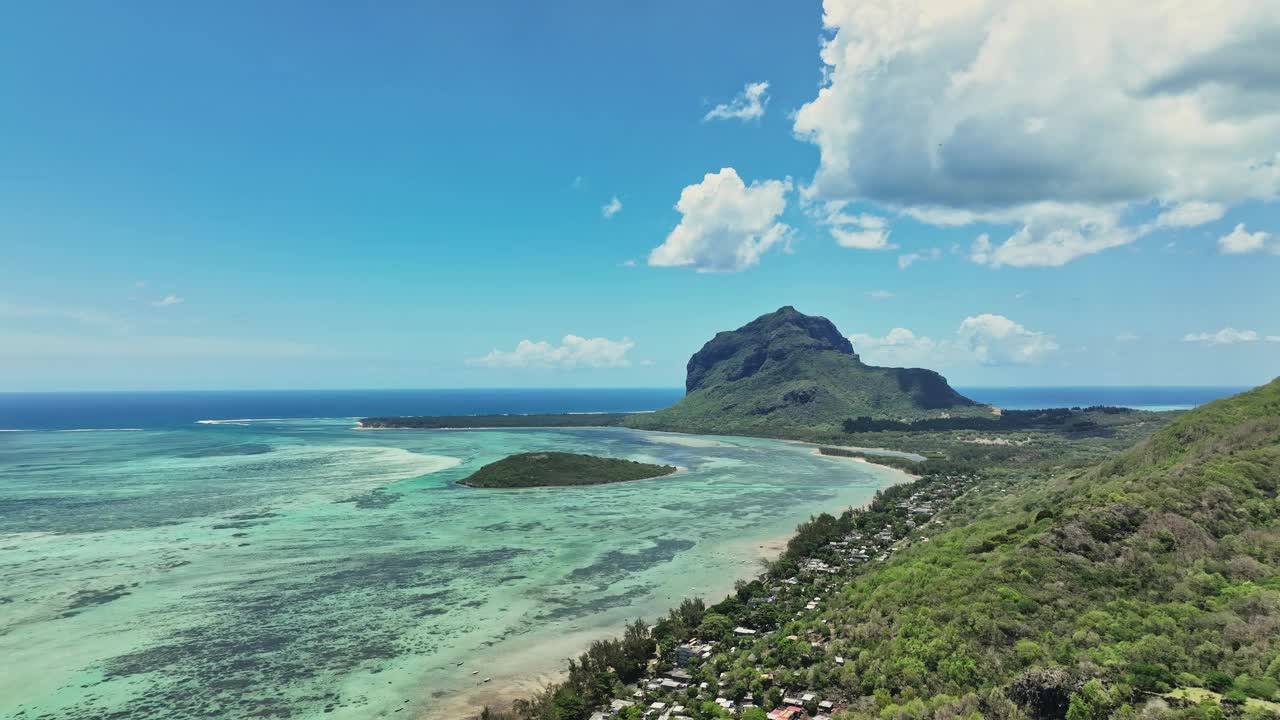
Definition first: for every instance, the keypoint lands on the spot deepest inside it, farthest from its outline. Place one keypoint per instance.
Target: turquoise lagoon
(304, 569)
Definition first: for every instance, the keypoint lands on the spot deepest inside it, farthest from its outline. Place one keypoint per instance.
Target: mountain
(787, 371)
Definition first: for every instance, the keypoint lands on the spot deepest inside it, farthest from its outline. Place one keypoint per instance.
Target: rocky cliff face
(736, 354)
(787, 370)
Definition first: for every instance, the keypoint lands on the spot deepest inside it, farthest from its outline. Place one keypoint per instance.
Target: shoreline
(867, 461)
(503, 691)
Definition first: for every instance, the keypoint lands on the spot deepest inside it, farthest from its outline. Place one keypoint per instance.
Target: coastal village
(774, 659)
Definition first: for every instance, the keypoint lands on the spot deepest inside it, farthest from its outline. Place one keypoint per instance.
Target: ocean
(252, 554)
(153, 410)
(1138, 397)
(240, 568)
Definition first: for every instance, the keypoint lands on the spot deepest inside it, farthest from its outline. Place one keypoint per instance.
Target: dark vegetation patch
(556, 469)
(82, 599)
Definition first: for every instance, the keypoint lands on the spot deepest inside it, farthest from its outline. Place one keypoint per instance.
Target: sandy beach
(907, 477)
(529, 666)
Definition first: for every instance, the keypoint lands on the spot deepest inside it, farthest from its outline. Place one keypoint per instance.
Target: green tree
(1090, 702)
(715, 627)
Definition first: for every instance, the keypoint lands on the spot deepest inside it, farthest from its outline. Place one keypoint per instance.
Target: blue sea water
(1138, 397)
(152, 410)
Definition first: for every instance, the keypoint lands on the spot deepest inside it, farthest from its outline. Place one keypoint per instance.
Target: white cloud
(611, 208)
(726, 225)
(1241, 242)
(1273, 338)
(1053, 235)
(168, 300)
(1225, 336)
(1127, 337)
(1057, 119)
(628, 263)
(981, 339)
(576, 184)
(900, 348)
(746, 105)
(908, 259)
(879, 294)
(997, 340)
(1191, 214)
(861, 231)
(572, 352)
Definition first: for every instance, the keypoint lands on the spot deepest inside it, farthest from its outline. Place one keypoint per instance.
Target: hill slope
(788, 371)
(1154, 571)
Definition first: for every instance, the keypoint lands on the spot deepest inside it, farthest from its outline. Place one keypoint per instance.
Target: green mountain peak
(787, 371)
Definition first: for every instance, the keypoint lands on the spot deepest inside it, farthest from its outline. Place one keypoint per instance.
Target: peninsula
(560, 469)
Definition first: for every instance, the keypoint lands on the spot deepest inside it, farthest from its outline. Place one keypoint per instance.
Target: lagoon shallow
(304, 569)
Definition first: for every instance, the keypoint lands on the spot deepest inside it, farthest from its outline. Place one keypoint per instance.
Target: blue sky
(400, 195)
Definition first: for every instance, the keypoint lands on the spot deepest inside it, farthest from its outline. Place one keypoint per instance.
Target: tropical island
(561, 469)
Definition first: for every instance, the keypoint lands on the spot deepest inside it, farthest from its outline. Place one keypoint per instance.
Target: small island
(559, 469)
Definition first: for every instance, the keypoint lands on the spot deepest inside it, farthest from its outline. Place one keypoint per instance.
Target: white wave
(75, 430)
(246, 421)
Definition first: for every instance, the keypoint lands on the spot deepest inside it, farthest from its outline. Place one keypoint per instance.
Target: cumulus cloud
(726, 224)
(861, 231)
(168, 300)
(899, 348)
(746, 105)
(1241, 242)
(1057, 119)
(1225, 336)
(982, 339)
(1052, 236)
(611, 208)
(572, 352)
(1190, 214)
(906, 260)
(997, 340)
